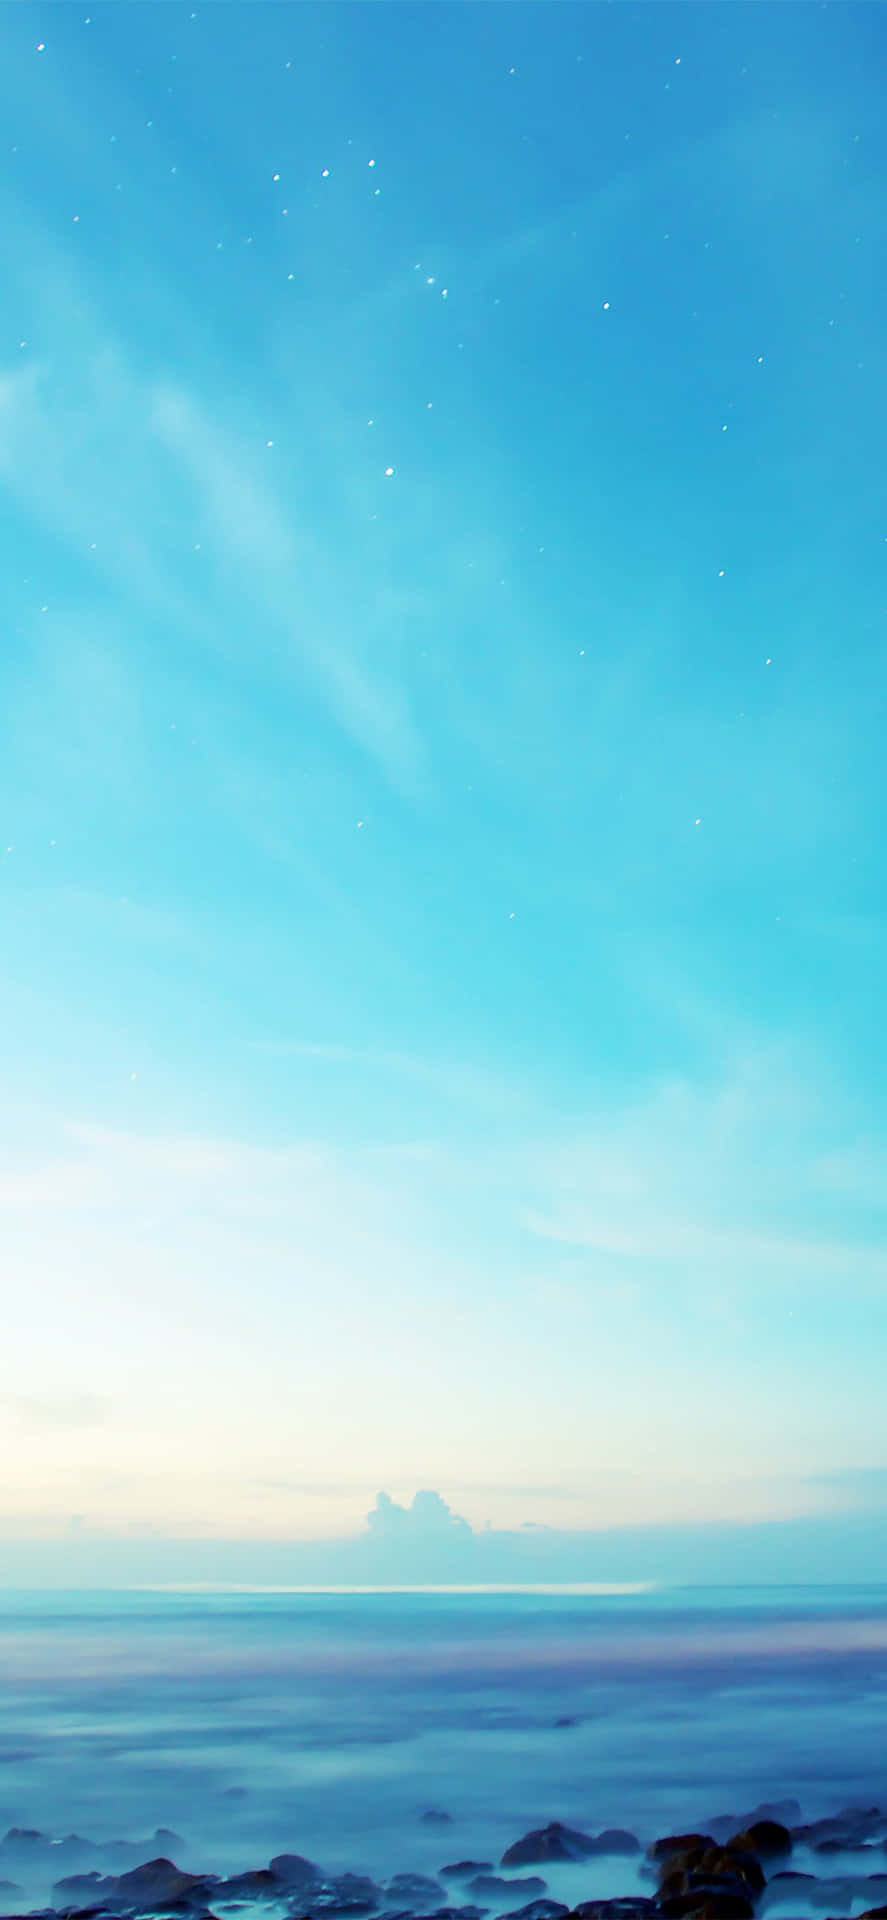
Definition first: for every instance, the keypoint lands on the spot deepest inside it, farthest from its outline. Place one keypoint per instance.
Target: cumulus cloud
(428, 1517)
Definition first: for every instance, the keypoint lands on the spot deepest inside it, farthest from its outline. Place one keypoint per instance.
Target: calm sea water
(327, 1724)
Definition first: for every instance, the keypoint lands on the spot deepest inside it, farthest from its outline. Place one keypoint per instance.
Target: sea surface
(328, 1724)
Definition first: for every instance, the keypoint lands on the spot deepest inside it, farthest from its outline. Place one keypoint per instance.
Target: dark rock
(614, 1840)
(415, 1887)
(538, 1910)
(632, 1907)
(456, 1913)
(463, 1869)
(80, 1883)
(9, 1886)
(708, 1903)
(156, 1883)
(435, 1817)
(348, 1893)
(567, 1720)
(678, 1843)
(852, 1823)
(769, 1839)
(293, 1870)
(845, 1846)
(554, 1842)
(488, 1886)
(874, 1913)
(261, 1884)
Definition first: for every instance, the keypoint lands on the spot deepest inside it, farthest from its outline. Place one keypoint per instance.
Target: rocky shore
(736, 1868)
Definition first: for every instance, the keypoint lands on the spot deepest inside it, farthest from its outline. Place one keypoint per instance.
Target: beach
(391, 1734)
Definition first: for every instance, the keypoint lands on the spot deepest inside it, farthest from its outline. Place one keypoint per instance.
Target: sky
(442, 867)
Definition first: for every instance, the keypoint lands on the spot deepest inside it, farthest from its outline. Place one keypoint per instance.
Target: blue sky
(442, 875)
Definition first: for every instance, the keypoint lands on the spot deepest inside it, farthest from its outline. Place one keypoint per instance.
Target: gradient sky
(442, 893)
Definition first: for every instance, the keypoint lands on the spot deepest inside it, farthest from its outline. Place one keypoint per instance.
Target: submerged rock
(347, 1893)
(538, 1910)
(416, 1887)
(293, 1870)
(435, 1817)
(155, 1884)
(554, 1842)
(632, 1907)
(463, 1869)
(614, 1840)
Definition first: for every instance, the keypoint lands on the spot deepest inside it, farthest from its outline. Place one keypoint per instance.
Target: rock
(9, 1886)
(539, 1910)
(769, 1839)
(436, 1818)
(413, 1887)
(851, 1824)
(708, 1903)
(293, 1870)
(632, 1907)
(845, 1846)
(347, 1893)
(874, 1913)
(455, 1913)
(615, 1840)
(463, 1869)
(554, 1842)
(488, 1886)
(262, 1884)
(80, 1883)
(678, 1843)
(567, 1720)
(157, 1883)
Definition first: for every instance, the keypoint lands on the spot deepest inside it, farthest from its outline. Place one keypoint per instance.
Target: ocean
(328, 1724)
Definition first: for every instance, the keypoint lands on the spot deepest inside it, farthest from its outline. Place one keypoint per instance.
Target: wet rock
(554, 1842)
(678, 1843)
(488, 1886)
(614, 1840)
(293, 1870)
(261, 1884)
(463, 1869)
(851, 1824)
(632, 1907)
(708, 1903)
(455, 1913)
(768, 1839)
(845, 1846)
(874, 1913)
(80, 1884)
(539, 1910)
(416, 1888)
(348, 1893)
(154, 1885)
(157, 1883)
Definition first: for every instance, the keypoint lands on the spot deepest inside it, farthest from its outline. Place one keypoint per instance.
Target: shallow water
(326, 1724)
